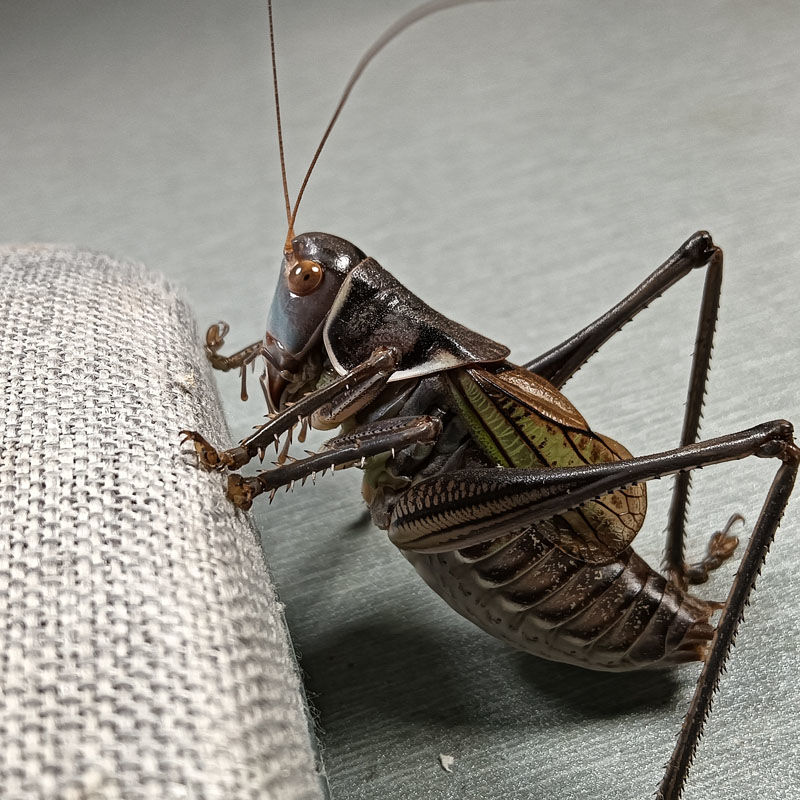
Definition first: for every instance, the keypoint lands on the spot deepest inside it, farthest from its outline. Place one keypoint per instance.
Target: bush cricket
(516, 512)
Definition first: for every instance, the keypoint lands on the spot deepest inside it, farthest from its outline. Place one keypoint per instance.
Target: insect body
(486, 477)
(507, 503)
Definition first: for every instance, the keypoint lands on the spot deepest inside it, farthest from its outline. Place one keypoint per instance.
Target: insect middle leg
(354, 447)
(562, 361)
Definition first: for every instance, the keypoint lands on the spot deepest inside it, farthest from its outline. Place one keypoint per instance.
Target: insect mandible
(484, 475)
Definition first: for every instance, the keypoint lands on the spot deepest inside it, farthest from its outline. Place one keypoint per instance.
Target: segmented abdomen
(617, 616)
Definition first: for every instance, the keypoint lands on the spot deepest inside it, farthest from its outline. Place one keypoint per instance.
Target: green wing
(520, 420)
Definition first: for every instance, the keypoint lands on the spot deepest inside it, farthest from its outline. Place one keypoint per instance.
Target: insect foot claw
(240, 491)
(207, 455)
(215, 336)
(721, 546)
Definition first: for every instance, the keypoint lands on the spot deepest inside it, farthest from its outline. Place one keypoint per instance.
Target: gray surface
(143, 650)
(520, 166)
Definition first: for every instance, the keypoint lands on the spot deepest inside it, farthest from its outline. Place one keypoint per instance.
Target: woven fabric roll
(143, 652)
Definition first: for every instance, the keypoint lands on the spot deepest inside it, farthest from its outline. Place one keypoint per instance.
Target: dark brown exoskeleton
(487, 478)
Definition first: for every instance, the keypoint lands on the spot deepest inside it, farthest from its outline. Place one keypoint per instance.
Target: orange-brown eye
(304, 277)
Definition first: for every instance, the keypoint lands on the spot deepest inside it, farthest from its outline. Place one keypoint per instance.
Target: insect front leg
(562, 361)
(362, 381)
(215, 338)
(348, 449)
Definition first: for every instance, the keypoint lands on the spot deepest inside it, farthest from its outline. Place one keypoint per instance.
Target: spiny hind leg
(562, 361)
(470, 506)
(671, 786)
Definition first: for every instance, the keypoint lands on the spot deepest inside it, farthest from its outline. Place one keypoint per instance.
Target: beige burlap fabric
(142, 648)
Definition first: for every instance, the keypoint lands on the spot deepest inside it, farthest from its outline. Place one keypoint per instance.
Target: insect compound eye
(304, 277)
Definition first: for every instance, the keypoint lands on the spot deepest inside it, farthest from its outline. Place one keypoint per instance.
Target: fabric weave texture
(143, 651)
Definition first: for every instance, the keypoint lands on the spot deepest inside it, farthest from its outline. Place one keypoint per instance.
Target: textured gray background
(521, 166)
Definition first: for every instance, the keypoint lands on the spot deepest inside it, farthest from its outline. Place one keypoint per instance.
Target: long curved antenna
(289, 215)
(415, 15)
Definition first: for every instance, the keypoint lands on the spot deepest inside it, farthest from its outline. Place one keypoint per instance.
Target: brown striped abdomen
(621, 615)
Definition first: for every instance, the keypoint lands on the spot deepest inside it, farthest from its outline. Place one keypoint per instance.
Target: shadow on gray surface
(382, 668)
(391, 695)
(598, 695)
